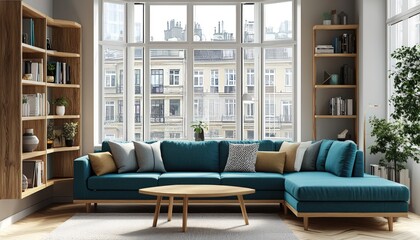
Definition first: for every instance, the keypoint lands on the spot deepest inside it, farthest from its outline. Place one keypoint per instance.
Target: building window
(156, 80)
(286, 111)
(269, 77)
(174, 107)
(157, 111)
(214, 81)
(288, 77)
(175, 135)
(173, 77)
(230, 134)
(208, 61)
(110, 78)
(110, 111)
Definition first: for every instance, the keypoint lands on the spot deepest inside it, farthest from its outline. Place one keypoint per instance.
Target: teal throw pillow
(341, 157)
(322, 154)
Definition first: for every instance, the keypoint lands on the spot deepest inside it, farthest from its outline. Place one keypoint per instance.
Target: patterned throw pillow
(242, 158)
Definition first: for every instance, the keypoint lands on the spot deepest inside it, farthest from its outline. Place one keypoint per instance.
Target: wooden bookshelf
(66, 36)
(324, 124)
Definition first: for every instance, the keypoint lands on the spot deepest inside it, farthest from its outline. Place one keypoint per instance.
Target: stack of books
(61, 72)
(324, 49)
(34, 106)
(340, 106)
(32, 69)
(28, 31)
(33, 170)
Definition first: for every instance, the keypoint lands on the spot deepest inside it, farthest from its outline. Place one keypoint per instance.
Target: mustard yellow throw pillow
(270, 161)
(290, 150)
(102, 163)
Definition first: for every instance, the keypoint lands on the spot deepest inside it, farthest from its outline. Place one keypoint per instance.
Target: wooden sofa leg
(390, 224)
(285, 208)
(88, 207)
(305, 223)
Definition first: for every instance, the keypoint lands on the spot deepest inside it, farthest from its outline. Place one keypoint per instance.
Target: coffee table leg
(243, 209)
(170, 207)
(157, 210)
(185, 214)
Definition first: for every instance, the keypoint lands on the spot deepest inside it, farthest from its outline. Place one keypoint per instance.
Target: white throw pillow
(300, 152)
(124, 156)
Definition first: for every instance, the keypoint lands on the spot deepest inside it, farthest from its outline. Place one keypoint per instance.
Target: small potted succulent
(69, 132)
(61, 103)
(199, 130)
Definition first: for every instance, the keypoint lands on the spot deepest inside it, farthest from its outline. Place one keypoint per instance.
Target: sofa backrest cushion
(322, 154)
(340, 158)
(181, 156)
(265, 145)
(359, 165)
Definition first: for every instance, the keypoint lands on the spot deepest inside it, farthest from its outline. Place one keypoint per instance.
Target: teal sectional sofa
(307, 194)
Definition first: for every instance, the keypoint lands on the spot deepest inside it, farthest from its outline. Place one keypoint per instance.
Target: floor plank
(44, 221)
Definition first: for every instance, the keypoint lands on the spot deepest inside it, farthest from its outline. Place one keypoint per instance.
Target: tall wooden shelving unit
(325, 125)
(66, 38)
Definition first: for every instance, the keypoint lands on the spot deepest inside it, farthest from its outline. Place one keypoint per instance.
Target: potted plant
(199, 130)
(69, 132)
(399, 138)
(50, 72)
(61, 104)
(50, 134)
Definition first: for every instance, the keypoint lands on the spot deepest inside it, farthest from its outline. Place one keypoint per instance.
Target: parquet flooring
(44, 221)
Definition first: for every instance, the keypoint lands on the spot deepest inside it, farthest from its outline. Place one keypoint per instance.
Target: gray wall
(44, 6)
(311, 13)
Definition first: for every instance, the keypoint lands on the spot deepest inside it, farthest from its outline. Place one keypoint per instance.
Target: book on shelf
(28, 31)
(340, 106)
(33, 170)
(33, 69)
(347, 74)
(324, 49)
(35, 104)
(344, 43)
(61, 72)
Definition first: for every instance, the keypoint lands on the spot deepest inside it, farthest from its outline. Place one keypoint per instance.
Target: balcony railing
(229, 89)
(228, 118)
(198, 89)
(157, 88)
(157, 119)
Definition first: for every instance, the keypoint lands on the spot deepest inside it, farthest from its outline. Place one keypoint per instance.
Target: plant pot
(29, 140)
(50, 143)
(69, 142)
(60, 110)
(199, 136)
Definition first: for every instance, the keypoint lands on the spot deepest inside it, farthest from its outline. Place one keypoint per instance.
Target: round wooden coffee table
(194, 191)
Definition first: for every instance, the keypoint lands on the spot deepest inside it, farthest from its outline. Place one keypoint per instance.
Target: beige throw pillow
(102, 163)
(270, 161)
(290, 149)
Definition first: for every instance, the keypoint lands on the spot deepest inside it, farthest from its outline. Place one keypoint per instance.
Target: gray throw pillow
(242, 158)
(149, 158)
(310, 157)
(124, 156)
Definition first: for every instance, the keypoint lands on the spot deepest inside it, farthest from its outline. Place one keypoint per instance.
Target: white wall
(44, 6)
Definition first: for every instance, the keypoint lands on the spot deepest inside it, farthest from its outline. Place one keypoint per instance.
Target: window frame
(189, 45)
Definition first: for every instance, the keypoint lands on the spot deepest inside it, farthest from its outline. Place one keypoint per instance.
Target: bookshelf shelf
(33, 154)
(26, 48)
(55, 85)
(63, 149)
(63, 117)
(335, 116)
(335, 55)
(332, 98)
(24, 25)
(335, 86)
(52, 53)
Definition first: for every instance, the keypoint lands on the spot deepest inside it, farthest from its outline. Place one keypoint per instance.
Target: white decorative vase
(60, 110)
(29, 140)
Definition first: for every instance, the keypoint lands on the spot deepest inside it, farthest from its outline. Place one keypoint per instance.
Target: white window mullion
(146, 74)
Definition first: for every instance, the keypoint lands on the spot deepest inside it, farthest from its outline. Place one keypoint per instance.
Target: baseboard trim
(24, 213)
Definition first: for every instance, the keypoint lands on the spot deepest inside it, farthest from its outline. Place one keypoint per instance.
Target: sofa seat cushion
(171, 178)
(324, 186)
(346, 206)
(123, 181)
(258, 180)
(187, 156)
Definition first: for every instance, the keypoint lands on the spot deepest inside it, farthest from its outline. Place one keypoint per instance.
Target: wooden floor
(41, 223)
